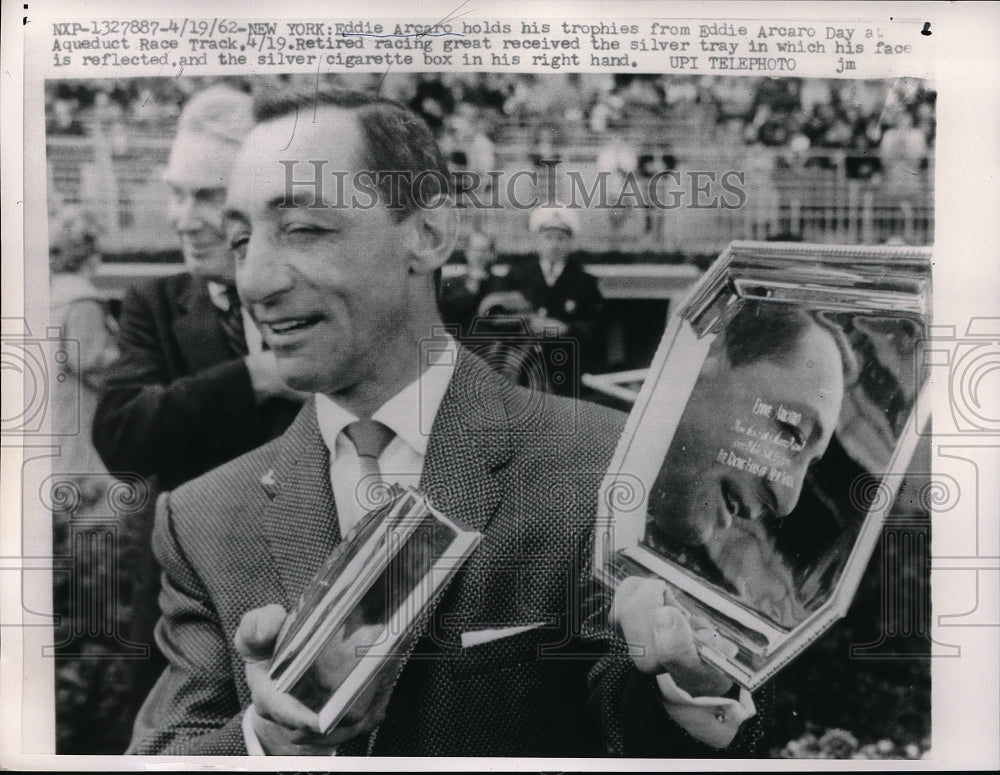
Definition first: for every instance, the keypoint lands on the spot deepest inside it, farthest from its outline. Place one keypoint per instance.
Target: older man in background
(194, 388)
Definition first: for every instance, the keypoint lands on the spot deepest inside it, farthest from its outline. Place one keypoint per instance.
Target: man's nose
(723, 520)
(261, 275)
(787, 495)
(187, 214)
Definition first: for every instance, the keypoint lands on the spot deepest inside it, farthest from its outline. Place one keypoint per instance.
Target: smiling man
(763, 410)
(338, 271)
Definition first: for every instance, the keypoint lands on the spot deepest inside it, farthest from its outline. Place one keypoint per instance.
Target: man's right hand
(282, 724)
(263, 368)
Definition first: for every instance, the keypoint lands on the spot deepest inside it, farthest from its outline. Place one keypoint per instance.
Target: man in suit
(564, 301)
(515, 658)
(193, 387)
(460, 296)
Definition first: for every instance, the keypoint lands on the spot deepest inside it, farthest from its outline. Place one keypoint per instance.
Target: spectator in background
(84, 653)
(460, 296)
(657, 160)
(468, 148)
(903, 149)
(558, 300)
(679, 90)
(762, 199)
(433, 100)
(926, 121)
(643, 95)
(487, 92)
(193, 387)
(617, 157)
(903, 152)
(618, 160)
(84, 319)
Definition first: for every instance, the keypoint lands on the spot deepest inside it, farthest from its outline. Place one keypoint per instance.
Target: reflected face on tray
(762, 411)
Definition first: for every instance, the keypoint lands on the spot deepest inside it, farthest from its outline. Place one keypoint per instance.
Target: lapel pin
(269, 483)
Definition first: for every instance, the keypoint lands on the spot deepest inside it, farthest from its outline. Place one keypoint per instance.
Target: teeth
(288, 325)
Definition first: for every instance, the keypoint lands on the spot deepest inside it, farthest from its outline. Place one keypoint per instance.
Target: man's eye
(798, 439)
(238, 245)
(211, 196)
(305, 232)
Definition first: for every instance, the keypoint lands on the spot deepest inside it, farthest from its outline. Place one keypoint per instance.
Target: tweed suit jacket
(520, 466)
(179, 402)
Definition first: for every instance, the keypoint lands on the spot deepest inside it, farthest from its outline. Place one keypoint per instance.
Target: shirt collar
(552, 270)
(409, 414)
(217, 292)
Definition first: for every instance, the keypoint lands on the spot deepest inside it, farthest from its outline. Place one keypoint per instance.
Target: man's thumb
(254, 639)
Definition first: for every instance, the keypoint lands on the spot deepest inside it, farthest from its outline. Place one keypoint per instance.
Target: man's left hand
(652, 620)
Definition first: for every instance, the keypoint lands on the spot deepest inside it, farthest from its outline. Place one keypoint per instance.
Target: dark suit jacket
(458, 305)
(178, 402)
(574, 299)
(521, 467)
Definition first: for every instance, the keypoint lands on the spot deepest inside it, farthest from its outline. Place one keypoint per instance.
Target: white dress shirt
(551, 270)
(410, 415)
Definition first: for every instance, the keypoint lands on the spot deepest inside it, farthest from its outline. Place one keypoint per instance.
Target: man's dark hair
(764, 331)
(770, 331)
(397, 141)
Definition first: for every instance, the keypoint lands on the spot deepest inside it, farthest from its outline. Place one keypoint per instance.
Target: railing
(810, 196)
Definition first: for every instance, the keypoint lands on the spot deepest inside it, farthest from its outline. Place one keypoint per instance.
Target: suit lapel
(469, 442)
(196, 327)
(301, 523)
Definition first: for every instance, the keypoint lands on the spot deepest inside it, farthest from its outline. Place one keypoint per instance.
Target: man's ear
(435, 231)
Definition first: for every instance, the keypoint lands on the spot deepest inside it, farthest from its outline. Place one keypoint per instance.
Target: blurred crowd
(799, 142)
(472, 112)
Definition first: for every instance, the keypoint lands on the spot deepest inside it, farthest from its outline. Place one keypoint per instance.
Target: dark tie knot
(370, 437)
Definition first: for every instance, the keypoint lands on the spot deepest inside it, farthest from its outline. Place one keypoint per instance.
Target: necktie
(232, 324)
(370, 438)
(551, 272)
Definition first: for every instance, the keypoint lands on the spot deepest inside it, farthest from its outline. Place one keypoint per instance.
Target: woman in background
(87, 333)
